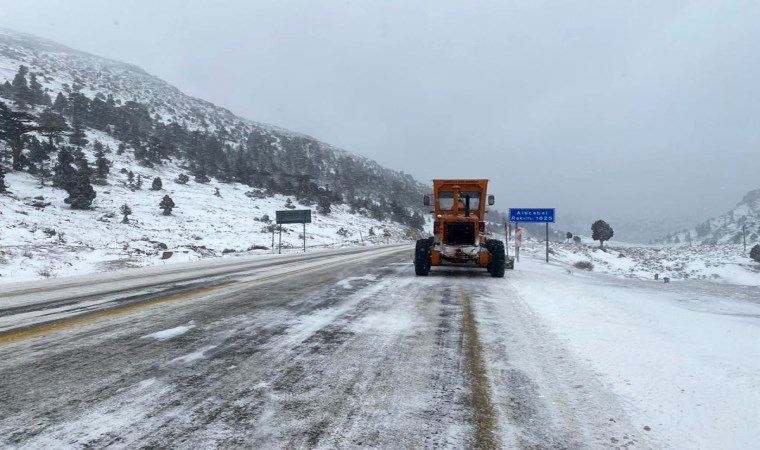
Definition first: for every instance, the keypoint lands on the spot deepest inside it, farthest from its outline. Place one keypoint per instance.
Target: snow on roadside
(684, 361)
(726, 263)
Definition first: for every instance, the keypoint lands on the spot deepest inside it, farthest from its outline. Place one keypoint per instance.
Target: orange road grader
(459, 230)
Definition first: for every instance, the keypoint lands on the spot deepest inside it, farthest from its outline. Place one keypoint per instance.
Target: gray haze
(643, 113)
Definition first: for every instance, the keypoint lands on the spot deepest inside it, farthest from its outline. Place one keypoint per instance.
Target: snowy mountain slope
(65, 70)
(41, 236)
(725, 229)
(54, 240)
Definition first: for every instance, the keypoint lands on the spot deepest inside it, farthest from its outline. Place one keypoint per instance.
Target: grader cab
(459, 230)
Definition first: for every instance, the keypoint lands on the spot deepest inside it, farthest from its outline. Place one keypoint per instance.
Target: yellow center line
(484, 415)
(10, 336)
(7, 337)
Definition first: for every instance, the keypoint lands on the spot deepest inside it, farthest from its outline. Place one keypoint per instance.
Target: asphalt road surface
(346, 350)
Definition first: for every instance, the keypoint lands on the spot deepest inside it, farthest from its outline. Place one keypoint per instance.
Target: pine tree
(102, 165)
(36, 94)
(61, 104)
(754, 252)
(167, 204)
(79, 107)
(78, 136)
(139, 182)
(130, 177)
(6, 90)
(126, 211)
(323, 205)
(39, 155)
(80, 160)
(22, 95)
(81, 194)
(157, 184)
(99, 113)
(601, 231)
(63, 172)
(52, 125)
(13, 126)
(121, 148)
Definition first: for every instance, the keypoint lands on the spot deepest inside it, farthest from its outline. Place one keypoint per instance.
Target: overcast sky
(622, 110)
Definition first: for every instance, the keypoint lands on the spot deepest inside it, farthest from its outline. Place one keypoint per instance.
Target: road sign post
(534, 215)
(518, 242)
(293, 216)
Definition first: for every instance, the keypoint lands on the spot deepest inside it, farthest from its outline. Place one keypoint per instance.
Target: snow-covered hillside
(66, 69)
(256, 168)
(60, 69)
(41, 236)
(725, 229)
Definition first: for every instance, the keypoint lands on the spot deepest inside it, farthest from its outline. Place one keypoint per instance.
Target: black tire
(422, 257)
(498, 258)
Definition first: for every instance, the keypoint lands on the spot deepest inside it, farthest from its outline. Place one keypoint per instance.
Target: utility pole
(547, 241)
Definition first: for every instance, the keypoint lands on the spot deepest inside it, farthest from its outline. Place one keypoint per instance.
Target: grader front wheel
(498, 258)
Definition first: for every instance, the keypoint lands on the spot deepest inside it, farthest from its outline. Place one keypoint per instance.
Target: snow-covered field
(723, 263)
(56, 241)
(682, 357)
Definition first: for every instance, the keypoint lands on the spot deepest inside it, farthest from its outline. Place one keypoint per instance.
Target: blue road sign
(542, 215)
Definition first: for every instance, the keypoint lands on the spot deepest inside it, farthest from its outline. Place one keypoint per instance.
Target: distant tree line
(279, 163)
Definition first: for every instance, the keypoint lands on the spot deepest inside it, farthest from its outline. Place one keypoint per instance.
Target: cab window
(445, 200)
(474, 199)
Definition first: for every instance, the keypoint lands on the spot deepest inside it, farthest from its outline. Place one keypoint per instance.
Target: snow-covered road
(357, 352)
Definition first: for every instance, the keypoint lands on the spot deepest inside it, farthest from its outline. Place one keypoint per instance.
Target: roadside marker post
(518, 242)
(506, 237)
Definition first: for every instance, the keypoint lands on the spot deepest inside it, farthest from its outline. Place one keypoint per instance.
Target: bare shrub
(45, 272)
(584, 265)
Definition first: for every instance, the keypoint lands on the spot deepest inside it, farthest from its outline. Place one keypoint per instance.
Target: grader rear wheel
(422, 257)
